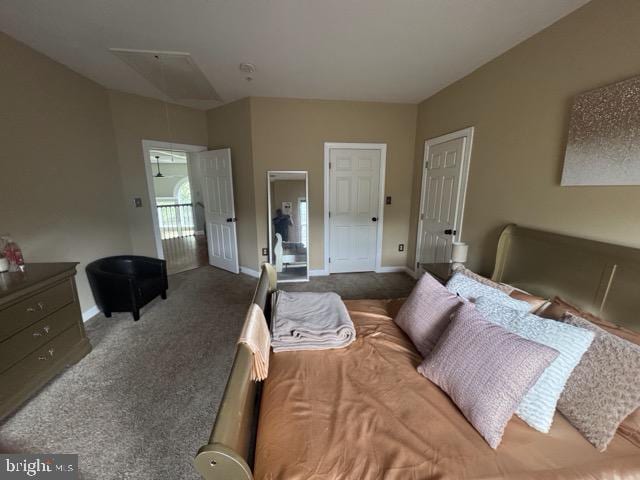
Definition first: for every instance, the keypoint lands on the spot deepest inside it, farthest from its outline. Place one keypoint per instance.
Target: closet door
(354, 183)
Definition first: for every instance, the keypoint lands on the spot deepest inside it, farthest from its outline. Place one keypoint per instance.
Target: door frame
(328, 146)
(147, 146)
(467, 134)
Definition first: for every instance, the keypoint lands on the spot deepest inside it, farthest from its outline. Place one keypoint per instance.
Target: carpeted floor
(144, 400)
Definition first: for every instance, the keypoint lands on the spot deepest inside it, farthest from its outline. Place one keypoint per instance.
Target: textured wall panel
(603, 147)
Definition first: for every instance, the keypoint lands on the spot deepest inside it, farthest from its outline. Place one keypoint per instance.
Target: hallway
(185, 253)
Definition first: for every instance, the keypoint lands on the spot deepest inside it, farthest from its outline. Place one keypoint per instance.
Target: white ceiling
(379, 50)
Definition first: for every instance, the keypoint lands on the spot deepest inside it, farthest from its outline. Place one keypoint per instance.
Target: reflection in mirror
(288, 225)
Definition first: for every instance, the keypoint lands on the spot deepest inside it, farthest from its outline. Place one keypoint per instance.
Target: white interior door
(219, 208)
(442, 194)
(354, 197)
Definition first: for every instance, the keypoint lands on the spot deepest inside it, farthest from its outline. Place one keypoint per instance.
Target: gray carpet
(143, 401)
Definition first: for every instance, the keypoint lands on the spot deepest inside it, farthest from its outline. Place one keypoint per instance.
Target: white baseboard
(250, 271)
(406, 270)
(90, 313)
(318, 273)
(390, 269)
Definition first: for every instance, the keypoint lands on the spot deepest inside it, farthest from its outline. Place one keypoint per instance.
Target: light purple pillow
(426, 313)
(485, 369)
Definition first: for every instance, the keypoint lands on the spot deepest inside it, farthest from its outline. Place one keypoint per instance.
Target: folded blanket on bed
(255, 334)
(309, 321)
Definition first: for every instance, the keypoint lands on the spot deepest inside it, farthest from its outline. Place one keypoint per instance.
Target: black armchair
(126, 283)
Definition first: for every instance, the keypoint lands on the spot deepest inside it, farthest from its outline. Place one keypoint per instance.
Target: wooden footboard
(229, 453)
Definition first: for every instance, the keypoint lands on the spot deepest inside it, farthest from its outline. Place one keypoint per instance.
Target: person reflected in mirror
(281, 224)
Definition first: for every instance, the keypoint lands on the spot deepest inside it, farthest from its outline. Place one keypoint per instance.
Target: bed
(364, 412)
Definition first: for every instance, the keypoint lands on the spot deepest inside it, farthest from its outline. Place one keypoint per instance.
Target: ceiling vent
(173, 73)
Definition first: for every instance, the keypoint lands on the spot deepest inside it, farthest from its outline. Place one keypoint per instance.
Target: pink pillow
(485, 369)
(426, 313)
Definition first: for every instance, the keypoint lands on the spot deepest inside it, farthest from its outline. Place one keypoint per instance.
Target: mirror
(288, 225)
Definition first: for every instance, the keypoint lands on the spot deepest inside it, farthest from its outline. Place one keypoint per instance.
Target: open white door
(219, 208)
(444, 183)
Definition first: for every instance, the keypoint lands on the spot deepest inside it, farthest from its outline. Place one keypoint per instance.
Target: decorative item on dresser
(41, 329)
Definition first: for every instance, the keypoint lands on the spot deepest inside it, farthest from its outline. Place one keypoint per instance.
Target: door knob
(448, 231)
(232, 219)
(374, 219)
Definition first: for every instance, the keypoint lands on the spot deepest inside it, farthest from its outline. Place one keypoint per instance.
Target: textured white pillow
(467, 287)
(539, 404)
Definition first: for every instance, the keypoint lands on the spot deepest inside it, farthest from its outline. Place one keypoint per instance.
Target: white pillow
(539, 404)
(467, 287)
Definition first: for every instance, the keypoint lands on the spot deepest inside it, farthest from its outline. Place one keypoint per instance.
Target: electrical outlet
(137, 202)
(265, 252)
(401, 247)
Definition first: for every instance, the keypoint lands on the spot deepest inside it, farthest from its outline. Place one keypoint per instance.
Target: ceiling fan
(159, 174)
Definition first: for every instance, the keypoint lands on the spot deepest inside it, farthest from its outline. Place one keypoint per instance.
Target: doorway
(442, 198)
(175, 196)
(354, 196)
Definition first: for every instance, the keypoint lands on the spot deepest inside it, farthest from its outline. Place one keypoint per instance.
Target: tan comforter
(363, 412)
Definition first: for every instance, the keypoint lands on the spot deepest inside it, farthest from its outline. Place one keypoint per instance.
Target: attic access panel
(173, 73)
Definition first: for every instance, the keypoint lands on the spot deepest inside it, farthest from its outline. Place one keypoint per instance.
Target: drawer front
(28, 311)
(21, 375)
(26, 341)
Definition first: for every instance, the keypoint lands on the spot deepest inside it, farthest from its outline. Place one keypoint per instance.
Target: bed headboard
(229, 453)
(601, 278)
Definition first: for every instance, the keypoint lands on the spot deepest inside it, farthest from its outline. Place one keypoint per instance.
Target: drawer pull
(44, 357)
(40, 306)
(44, 332)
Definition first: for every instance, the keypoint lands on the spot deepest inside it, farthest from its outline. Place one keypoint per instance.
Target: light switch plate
(137, 202)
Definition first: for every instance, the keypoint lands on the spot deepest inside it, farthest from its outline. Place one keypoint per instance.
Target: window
(303, 215)
(182, 191)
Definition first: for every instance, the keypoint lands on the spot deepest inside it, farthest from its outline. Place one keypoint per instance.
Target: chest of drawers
(41, 329)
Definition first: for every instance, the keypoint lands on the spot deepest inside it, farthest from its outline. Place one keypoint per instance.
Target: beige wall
(289, 134)
(230, 126)
(519, 104)
(61, 190)
(135, 119)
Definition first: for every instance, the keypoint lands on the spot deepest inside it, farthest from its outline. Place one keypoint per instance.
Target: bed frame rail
(228, 455)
